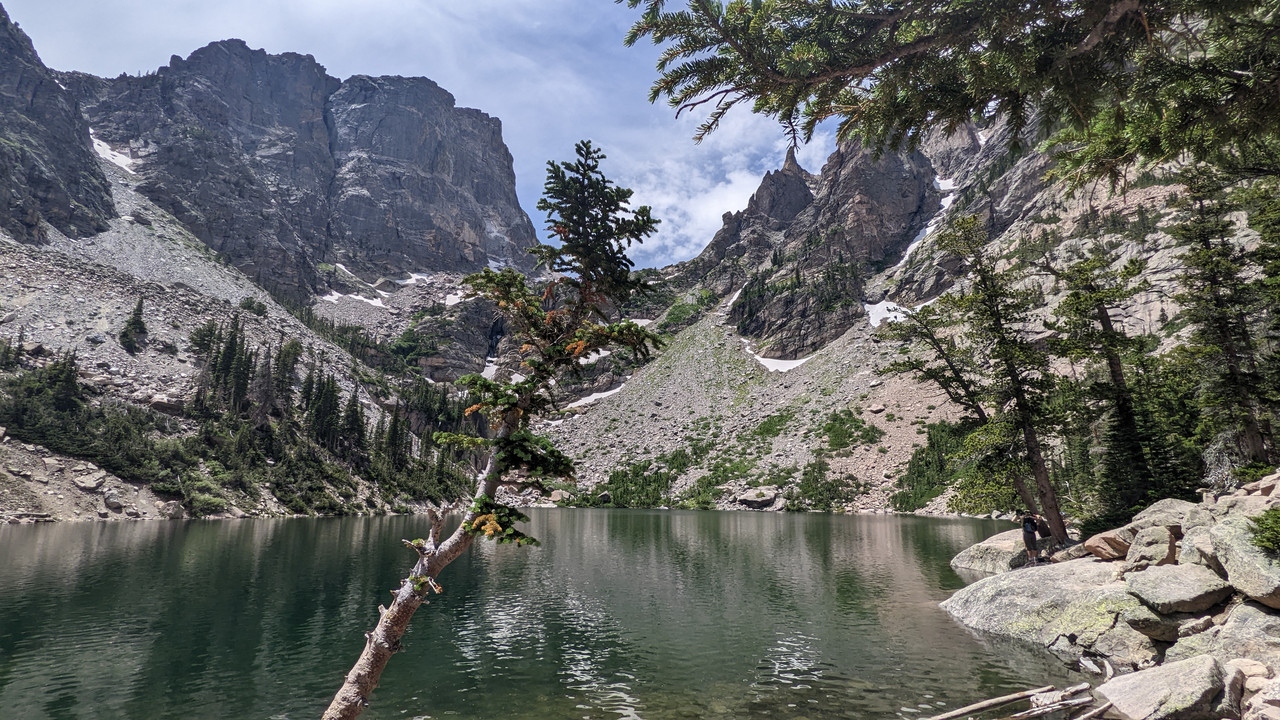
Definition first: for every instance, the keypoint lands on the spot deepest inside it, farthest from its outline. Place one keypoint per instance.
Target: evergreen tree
(1118, 80)
(554, 326)
(134, 330)
(1085, 330)
(353, 429)
(1218, 300)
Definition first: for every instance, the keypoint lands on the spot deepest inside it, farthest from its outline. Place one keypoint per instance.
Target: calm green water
(620, 614)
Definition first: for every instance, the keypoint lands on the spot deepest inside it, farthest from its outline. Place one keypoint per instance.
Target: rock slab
(1192, 689)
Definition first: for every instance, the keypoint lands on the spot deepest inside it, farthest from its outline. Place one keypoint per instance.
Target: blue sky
(554, 71)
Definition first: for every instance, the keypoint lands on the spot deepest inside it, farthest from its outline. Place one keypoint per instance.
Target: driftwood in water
(992, 703)
(1094, 712)
(1058, 696)
(1050, 709)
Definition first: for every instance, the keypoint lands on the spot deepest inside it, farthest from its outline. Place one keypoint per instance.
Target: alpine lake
(618, 614)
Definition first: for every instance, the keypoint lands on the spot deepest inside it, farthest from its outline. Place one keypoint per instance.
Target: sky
(554, 72)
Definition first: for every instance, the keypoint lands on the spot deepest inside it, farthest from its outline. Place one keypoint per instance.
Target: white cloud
(554, 72)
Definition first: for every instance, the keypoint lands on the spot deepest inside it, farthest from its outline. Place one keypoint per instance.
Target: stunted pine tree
(556, 324)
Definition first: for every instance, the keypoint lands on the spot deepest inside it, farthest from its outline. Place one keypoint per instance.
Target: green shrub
(931, 468)
(257, 307)
(1266, 531)
(845, 429)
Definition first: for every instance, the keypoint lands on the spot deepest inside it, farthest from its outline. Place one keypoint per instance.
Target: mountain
(48, 170)
(797, 257)
(285, 170)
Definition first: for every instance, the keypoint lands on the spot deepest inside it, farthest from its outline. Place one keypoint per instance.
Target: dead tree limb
(992, 703)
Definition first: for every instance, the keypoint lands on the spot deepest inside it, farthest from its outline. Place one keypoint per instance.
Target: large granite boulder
(1151, 546)
(1249, 631)
(999, 553)
(1197, 549)
(1070, 608)
(1169, 589)
(1250, 569)
(1111, 545)
(1168, 513)
(1193, 689)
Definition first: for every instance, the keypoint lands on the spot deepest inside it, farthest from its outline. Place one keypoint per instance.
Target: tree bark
(384, 640)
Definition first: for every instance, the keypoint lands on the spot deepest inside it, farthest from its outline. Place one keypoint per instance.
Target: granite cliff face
(799, 254)
(48, 170)
(281, 168)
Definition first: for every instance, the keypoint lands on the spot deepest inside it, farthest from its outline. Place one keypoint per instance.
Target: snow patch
(774, 364)
(490, 368)
(414, 278)
(643, 322)
(105, 152)
(452, 299)
(517, 377)
(344, 269)
(594, 397)
(944, 185)
(889, 311)
(334, 296)
(982, 137)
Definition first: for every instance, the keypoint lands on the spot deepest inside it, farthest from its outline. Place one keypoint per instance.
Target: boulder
(1074, 551)
(1265, 705)
(1197, 549)
(1250, 569)
(604, 498)
(1169, 589)
(53, 466)
(999, 553)
(1249, 668)
(91, 482)
(1110, 545)
(112, 501)
(172, 510)
(1157, 627)
(1151, 546)
(1193, 689)
(1266, 486)
(1249, 630)
(166, 405)
(1069, 607)
(1169, 513)
(757, 498)
(1242, 506)
(876, 409)
(1199, 516)
(559, 496)
(132, 512)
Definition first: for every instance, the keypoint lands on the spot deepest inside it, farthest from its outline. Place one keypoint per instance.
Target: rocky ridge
(285, 170)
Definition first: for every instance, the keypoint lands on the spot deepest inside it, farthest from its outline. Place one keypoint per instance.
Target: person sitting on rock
(1031, 534)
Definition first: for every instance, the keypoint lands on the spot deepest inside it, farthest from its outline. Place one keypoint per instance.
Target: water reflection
(620, 614)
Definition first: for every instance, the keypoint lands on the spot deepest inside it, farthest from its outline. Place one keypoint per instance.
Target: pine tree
(555, 326)
(134, 330)
(1085, 330)
(1218, 300)
(353, 429)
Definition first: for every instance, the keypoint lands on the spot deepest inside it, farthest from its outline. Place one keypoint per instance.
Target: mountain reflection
(619, 614)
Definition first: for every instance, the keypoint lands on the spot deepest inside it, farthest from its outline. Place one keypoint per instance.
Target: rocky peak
(782, 193)
(799, 253)
(48, 169)
(281, 168)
